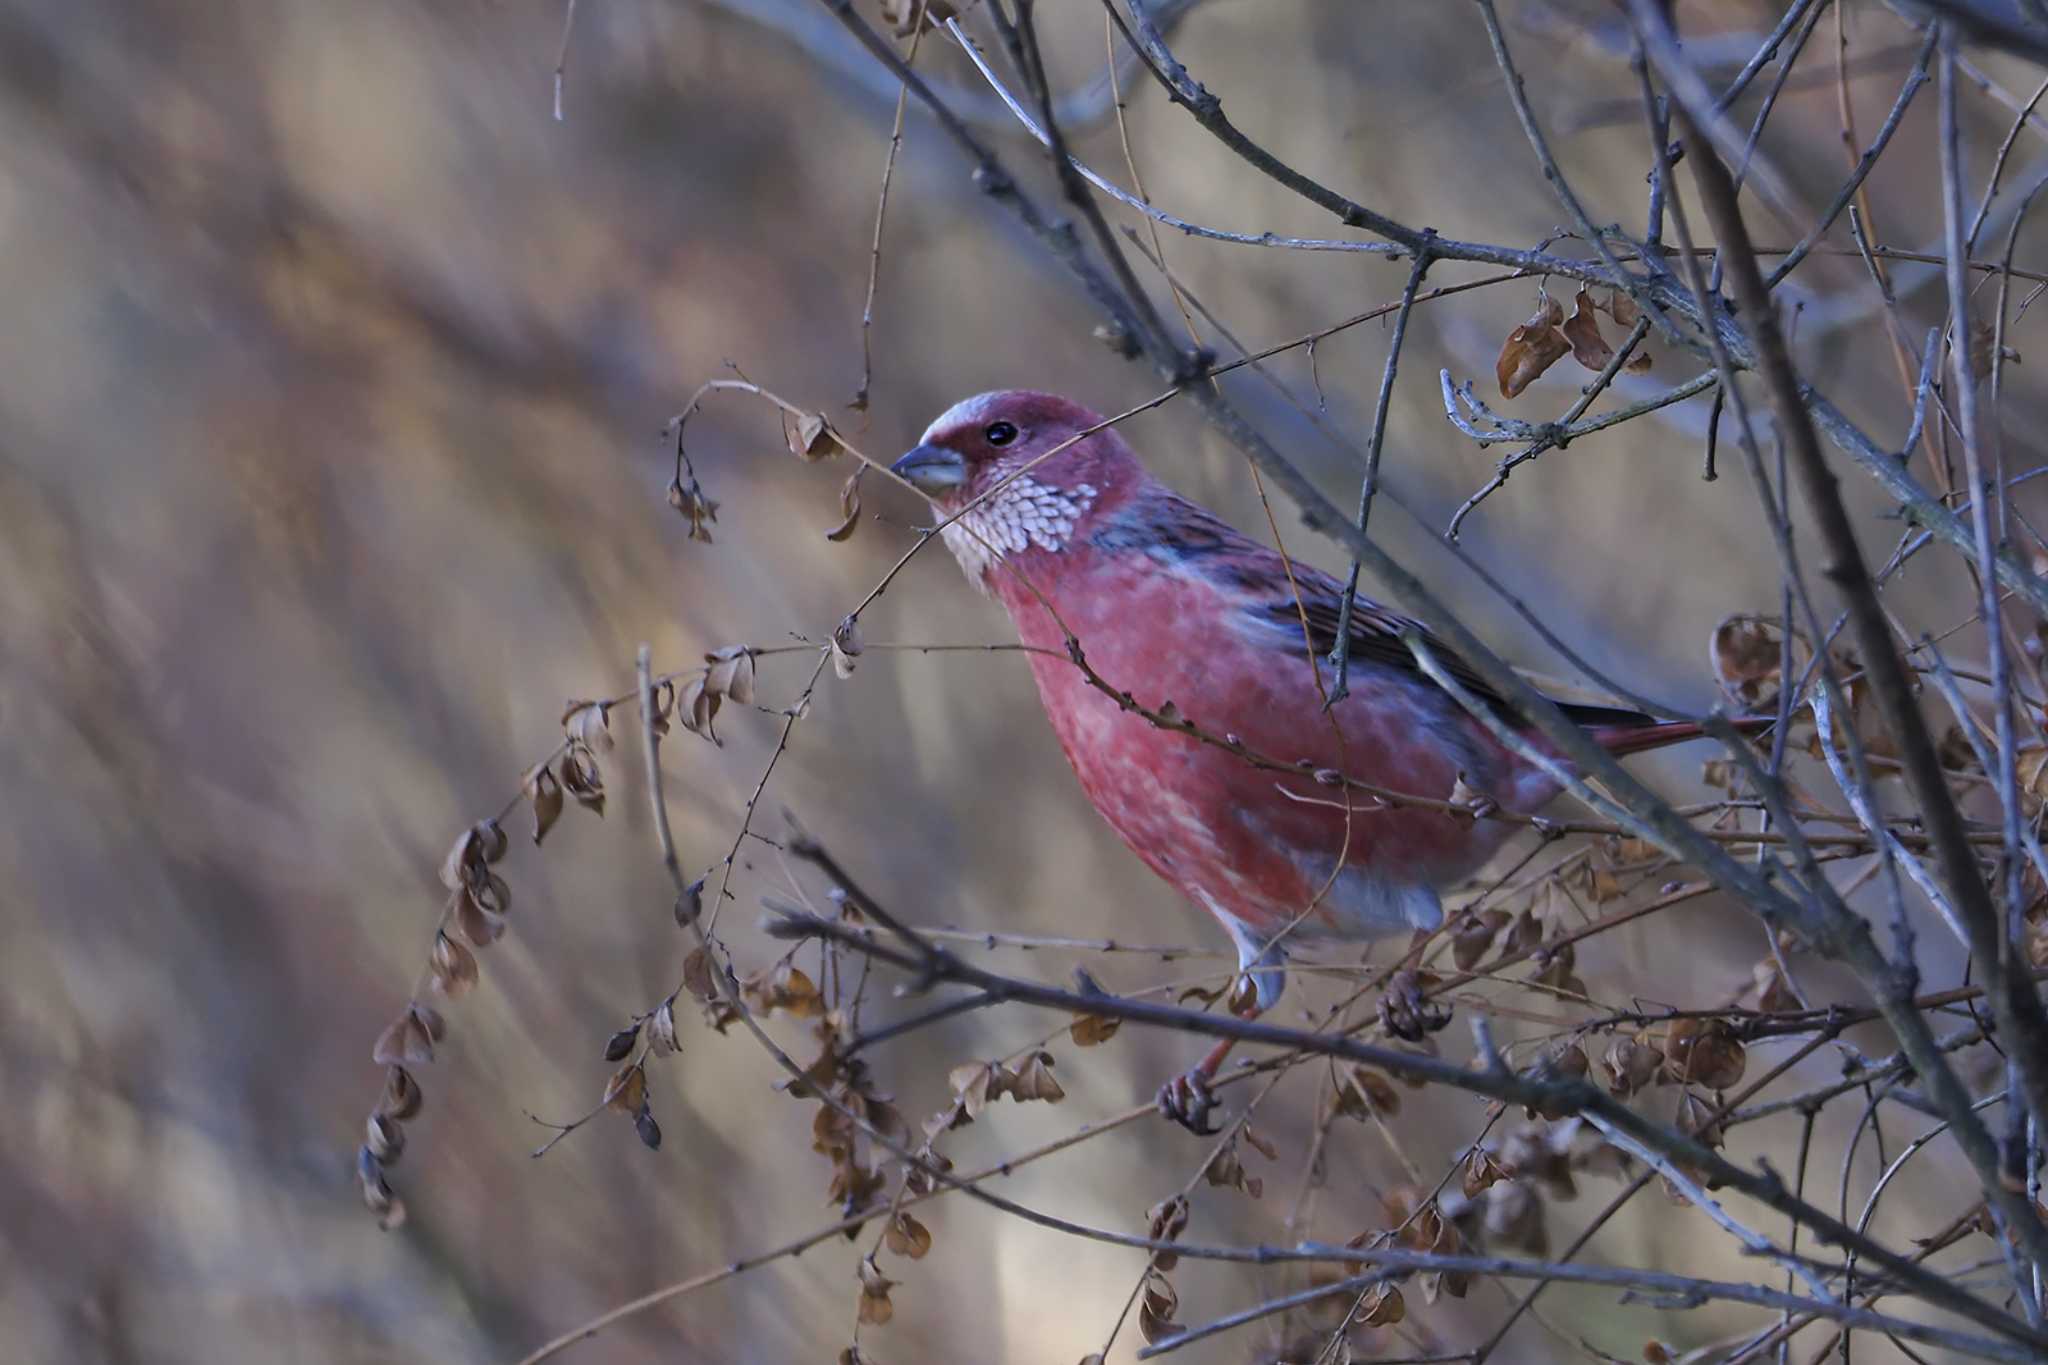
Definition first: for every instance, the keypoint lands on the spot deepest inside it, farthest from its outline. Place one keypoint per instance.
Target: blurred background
(330, 465)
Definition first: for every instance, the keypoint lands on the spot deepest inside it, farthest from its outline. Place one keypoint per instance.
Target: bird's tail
(1621, 740)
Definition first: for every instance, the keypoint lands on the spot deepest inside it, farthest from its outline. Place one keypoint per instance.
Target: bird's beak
(932, 470)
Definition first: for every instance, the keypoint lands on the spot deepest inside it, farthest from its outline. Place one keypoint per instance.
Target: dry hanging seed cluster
(810, 436)
(473, 918)
(1549, 336)
(697, 509)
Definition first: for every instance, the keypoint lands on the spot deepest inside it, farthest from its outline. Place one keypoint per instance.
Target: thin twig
(562, 54)
(1340, 657)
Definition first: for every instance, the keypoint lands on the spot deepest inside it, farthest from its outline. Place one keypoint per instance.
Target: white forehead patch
(966, 412)
(1025, 513)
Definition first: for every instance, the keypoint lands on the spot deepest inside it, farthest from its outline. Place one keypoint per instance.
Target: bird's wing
(1376, 631)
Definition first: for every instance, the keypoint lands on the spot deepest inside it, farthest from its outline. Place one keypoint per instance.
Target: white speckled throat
(1021, 514)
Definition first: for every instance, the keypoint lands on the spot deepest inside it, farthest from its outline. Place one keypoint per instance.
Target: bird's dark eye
(999, 433)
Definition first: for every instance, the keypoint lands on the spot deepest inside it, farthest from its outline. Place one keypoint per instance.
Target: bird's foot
(1188, 1101)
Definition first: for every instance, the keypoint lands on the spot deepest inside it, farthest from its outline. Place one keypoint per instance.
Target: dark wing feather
(1193, 540)
(1376, 633)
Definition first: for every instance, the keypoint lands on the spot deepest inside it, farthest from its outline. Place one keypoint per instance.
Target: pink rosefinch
(1174, 607)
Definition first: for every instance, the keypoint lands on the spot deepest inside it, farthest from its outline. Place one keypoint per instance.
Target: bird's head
(1019, 474)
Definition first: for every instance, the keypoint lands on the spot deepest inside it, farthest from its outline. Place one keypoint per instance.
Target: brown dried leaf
(794, 993)
(697, 978)
(1695, 1119)
(1482, 1169)
(974, 1084)
(699, 510)
(730, 674)
(1410, 1209)
(1382, 1306)
(689, 904)
(453, 965)
(875, 1308)
(590, 723)
(1705, 1052)
(1033, 1080)
(1773, 994)
(1156, 1307)
(886, 1117)
(627, 1090)
(377, 1195)
(1365, 1092)
(907, 1237)
(1524, 937)
(854, 1186)
(465, 860)
(661, 1030)
(480, 926)
(1746, 656)
(491, 839)
(846, 647)
(409, 1038)
(582, 778)
(1088, 1030)
(812, 438)
(544, 794)
(1623, 309)
(849, 507)
(1168, 1219)
(831, 1132)
(1531, 348)
(621, 1043)
(492, 893)
(1639, 363)
(1472, 936)
(402, 1097)
(1633, 852)
(1630, 1065)
(1554, 967)
(1598, 883)
(698, 708)
(385, 1139)
(1227, 1171)
(1582, 330)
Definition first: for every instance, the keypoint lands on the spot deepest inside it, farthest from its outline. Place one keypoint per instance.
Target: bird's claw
(1187, 1100)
